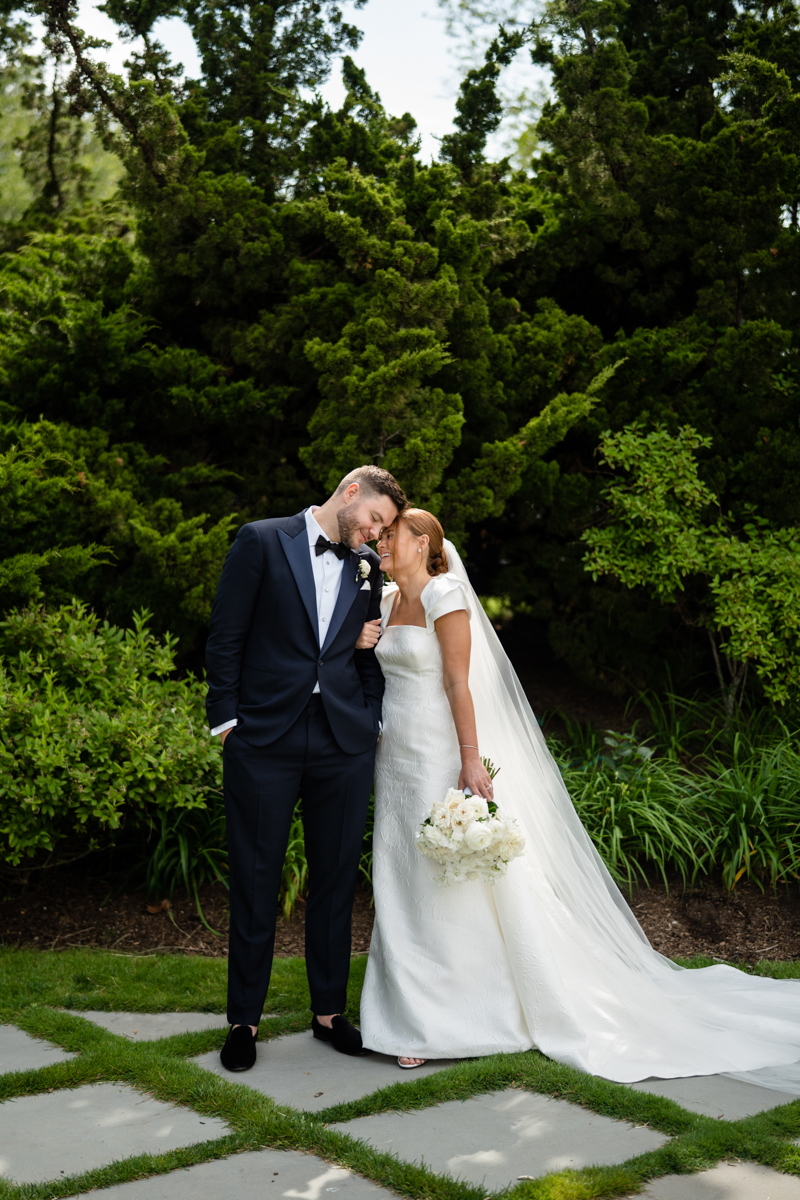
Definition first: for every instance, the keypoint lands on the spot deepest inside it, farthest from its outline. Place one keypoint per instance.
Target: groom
(298, 709)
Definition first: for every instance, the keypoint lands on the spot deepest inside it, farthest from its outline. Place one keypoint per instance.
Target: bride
(551, 956)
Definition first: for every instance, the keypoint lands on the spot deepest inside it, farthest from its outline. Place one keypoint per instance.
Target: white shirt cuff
(221, 728)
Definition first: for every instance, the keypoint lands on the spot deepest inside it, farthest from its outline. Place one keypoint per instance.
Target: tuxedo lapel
(299, 559)
(348, 590)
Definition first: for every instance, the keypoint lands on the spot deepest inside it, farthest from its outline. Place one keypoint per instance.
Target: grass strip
(777, 1122)
(462, 1081)
(765, 968)
(532, 1071)
(127, 1170)
(683, 1156)
(594, 1183)
(148, 983)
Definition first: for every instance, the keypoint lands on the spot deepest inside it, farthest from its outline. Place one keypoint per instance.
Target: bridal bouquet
(469, 838)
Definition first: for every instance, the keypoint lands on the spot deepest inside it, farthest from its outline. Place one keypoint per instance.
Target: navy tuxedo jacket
(263, 656)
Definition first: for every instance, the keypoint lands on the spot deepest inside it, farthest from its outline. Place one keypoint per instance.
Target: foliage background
(217, 295)
(277, 291)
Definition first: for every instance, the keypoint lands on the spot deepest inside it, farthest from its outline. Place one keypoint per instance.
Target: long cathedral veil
(595, 994)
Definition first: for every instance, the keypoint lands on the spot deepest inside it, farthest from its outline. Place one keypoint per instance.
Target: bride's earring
(419, 549)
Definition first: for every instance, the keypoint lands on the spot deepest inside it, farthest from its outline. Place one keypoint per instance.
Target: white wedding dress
(551, 956)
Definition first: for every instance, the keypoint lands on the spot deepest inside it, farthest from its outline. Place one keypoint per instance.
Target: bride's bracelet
(463, 746)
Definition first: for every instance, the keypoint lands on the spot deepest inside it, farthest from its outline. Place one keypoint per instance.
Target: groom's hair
(374, 480)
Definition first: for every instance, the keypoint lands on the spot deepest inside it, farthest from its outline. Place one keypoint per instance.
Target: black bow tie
(338, 548)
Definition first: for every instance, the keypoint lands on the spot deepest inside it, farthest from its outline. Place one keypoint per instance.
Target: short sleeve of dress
(444, 594)
(390, 590)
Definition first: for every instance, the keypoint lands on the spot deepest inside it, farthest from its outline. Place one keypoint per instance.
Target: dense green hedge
(706, 795)
(96, 735)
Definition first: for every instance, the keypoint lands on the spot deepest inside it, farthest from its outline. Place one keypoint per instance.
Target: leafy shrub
(95, 734)
(73, 524)
(710, 792)
(189, 849)
(294, 877)
(754, 809)
(185, 846)
(665, 532)
(643, 818)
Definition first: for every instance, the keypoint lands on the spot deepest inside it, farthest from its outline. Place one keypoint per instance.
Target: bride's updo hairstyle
(419, 522)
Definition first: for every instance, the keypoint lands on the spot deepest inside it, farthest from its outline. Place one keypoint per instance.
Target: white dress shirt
(327, 569)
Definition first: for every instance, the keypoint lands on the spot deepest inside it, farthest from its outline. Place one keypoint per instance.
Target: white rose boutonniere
(364, 569)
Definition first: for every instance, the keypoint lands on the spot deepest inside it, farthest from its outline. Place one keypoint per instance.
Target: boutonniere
(364, 569)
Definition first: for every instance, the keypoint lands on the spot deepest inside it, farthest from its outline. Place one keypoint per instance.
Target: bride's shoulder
(443, 594)
(441, 585)
(387, 597)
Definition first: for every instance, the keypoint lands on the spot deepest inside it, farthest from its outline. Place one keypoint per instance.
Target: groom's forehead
(384, 505)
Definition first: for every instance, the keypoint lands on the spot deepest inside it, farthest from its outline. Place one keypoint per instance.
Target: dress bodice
(409, 655)
(411, 662)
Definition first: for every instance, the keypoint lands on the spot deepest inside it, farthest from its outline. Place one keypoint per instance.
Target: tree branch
(58, 19)
(51, 140)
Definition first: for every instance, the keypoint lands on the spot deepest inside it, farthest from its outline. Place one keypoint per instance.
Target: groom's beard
(349, 531)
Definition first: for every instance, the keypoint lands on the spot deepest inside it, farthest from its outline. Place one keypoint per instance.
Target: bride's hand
(368, 638)
(475, 777)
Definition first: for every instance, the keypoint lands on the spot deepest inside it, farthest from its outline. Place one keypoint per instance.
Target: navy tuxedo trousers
(262, 784)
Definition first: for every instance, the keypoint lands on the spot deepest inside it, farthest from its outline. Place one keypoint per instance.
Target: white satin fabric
(552, 956)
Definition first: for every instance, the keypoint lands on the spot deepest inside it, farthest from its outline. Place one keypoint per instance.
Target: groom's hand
(368, 638)
(223, 735)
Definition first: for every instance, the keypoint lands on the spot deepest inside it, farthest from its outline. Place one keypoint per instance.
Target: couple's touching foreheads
(324, 682)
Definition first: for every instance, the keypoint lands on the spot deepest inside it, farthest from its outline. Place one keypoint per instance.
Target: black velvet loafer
(239, 1051)
(344, 1037)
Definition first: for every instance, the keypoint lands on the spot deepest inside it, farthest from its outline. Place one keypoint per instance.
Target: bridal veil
(595, 994)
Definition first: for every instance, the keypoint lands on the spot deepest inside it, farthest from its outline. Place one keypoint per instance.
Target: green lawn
(34, 985)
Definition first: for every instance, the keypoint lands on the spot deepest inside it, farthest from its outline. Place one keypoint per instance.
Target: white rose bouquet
(469, 838)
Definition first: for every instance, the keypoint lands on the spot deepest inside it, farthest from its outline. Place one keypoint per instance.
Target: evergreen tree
(662, 213)
(302, 295)
(281, 291)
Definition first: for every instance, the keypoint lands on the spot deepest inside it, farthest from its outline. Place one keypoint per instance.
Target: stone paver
(727, 1181)
(256, 1175)
(19, 1052)
(715, 1095)
(306, 1073)
(147, 1027)
(77, 1129)
(494, 1139)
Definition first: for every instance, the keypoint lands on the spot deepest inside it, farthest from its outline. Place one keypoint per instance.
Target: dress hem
(418, 1051)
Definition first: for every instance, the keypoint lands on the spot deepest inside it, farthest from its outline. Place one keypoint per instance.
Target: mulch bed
(745, 925)
(64, 908)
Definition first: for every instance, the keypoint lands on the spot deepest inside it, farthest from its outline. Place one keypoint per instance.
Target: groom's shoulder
(268, 527)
